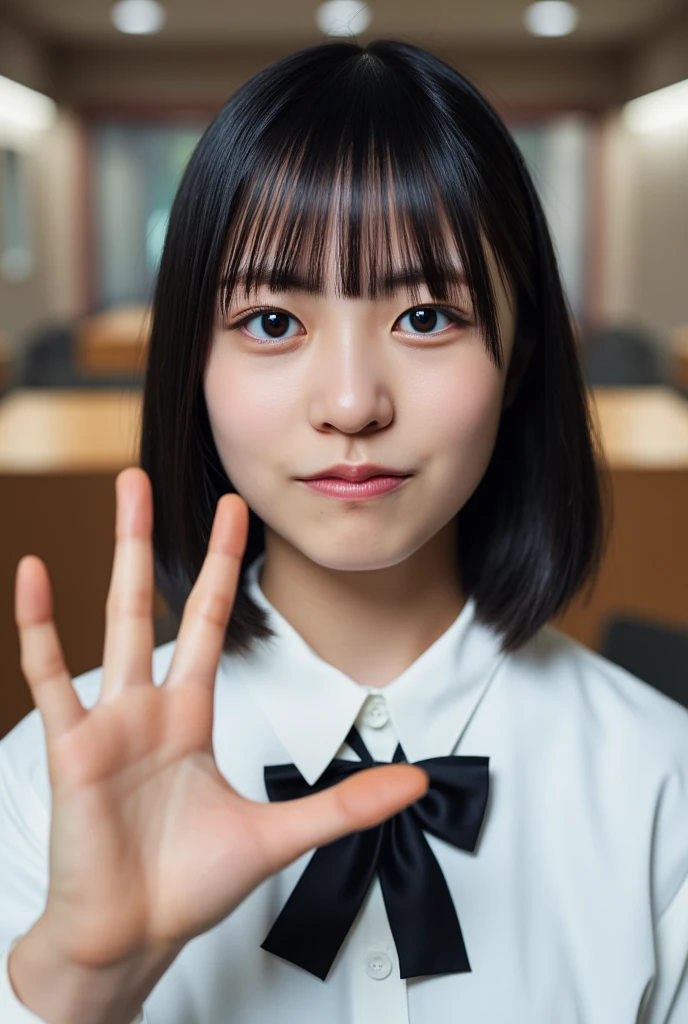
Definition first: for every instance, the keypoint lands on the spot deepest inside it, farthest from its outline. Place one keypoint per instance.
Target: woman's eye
(272, 321)
(423, 320)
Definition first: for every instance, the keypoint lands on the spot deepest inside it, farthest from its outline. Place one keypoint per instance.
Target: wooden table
(114, 342)
(55, 431)
(60, 452)
(642, 428)
(644, 436)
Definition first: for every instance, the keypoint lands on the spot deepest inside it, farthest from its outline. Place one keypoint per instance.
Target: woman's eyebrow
(294, 282)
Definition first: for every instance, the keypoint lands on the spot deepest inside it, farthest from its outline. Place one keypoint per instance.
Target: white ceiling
(454, 23)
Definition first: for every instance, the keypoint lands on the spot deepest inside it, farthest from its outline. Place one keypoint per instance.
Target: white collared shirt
(573, 906)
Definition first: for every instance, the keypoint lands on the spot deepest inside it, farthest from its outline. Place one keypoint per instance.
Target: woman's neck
(369, 624)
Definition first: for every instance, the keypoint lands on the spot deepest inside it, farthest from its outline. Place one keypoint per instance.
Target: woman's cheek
(245, 424)
(466, 408)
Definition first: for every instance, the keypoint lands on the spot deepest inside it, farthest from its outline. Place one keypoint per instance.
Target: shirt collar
(311, 705)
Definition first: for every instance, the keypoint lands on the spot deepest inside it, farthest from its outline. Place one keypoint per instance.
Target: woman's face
(324, 380)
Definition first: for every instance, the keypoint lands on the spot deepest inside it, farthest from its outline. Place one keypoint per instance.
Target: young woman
(368, 481)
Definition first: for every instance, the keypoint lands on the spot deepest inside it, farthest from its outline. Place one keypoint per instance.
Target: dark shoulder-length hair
(407, 134)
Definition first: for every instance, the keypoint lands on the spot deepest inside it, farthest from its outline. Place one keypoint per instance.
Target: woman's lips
(335, 487)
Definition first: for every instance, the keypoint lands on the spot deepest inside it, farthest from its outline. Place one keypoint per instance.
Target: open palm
(149, 844)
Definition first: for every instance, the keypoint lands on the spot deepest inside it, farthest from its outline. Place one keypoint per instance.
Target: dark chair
(624, 357)
(46, 360)
(656, 653)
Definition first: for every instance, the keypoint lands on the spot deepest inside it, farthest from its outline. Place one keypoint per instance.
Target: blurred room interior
(98, 115)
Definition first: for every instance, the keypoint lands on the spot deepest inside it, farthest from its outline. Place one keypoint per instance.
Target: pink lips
(335, 487)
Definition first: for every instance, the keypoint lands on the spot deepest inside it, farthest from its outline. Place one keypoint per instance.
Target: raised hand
(150, 845)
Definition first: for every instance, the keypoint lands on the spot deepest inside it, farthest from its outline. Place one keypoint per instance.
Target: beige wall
(24, 60)
(645, 198)
(59, 161)
(645, 257)
(645, 227)
(52, 292)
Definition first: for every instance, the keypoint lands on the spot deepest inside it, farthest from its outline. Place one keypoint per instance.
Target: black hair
(400, 130)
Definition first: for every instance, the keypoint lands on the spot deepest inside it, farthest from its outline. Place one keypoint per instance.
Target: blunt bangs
(390, 160)
(347, 179)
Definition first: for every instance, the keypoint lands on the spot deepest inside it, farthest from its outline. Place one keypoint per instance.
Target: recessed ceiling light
(342, 17)
(551, 18)
(138, 17)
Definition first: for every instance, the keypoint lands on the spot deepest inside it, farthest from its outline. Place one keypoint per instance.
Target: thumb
(361, 801)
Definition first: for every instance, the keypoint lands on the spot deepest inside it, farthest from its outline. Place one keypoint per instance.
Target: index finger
(209, 605)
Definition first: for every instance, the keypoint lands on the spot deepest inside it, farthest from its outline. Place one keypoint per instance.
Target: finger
(129, 631)
(292, 827)
(41, 656)
(209, 605)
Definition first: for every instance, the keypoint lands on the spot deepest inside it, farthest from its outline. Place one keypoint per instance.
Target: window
(16, 255)
(135, 173)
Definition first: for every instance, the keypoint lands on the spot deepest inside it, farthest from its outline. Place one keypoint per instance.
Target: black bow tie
(325, 901)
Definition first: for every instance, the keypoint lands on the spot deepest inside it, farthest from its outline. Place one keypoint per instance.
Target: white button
(375, 712)
(378, 964)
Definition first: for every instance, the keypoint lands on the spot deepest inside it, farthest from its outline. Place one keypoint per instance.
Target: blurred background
(100, 107)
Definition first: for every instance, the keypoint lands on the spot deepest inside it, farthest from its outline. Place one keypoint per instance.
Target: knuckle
(44, 667)
(53, 666)
(135, 602)
(214, 607)
(341, 803)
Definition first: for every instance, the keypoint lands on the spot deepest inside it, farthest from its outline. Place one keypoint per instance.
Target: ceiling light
(665, 108)
(138, 17)
(25, 107)
(551, 18)
(343, 17)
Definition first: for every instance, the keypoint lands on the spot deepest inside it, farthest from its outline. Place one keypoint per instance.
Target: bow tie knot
(325, 901)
